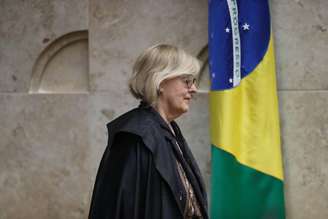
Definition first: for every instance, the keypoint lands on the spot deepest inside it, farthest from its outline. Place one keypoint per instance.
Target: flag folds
(247, 173)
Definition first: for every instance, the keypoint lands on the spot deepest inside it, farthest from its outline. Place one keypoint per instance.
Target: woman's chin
(185, 108)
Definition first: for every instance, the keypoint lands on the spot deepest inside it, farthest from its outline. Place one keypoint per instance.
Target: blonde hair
(156, 64)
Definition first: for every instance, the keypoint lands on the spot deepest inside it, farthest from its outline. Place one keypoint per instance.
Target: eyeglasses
(189, 80)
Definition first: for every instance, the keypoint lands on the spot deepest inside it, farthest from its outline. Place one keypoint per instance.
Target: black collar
(159, 118)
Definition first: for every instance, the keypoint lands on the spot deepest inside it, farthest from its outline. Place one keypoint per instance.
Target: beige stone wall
(300, 29)
(51, 143)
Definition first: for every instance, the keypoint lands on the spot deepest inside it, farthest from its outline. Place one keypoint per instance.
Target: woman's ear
(160, 91)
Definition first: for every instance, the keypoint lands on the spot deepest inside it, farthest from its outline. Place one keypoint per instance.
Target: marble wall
(51, 143)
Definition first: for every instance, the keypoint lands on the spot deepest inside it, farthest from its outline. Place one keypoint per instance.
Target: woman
(148, 170)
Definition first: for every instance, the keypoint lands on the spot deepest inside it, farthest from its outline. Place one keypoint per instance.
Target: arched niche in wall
(203, 78)
(63, 66)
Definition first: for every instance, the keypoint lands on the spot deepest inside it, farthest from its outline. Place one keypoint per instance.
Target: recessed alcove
(63, 66)
(203, 78)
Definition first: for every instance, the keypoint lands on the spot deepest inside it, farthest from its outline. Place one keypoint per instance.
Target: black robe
(137, 177)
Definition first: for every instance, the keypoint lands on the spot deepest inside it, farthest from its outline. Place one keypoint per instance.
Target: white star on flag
(227, 30)
(245, 26)
(213, 75)
(230, 80)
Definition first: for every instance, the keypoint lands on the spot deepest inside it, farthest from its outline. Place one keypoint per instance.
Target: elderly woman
(148, 170)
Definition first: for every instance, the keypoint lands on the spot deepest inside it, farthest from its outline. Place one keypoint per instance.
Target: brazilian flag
(247, 172)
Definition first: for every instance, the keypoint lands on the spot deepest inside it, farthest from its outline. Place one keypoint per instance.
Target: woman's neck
(168, 118)
(164, 112)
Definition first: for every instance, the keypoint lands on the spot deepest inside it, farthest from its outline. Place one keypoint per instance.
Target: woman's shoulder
(138, 121)
(139, 124)
(126, 140)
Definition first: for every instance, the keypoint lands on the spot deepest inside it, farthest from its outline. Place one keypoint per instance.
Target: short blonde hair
(156, 64)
